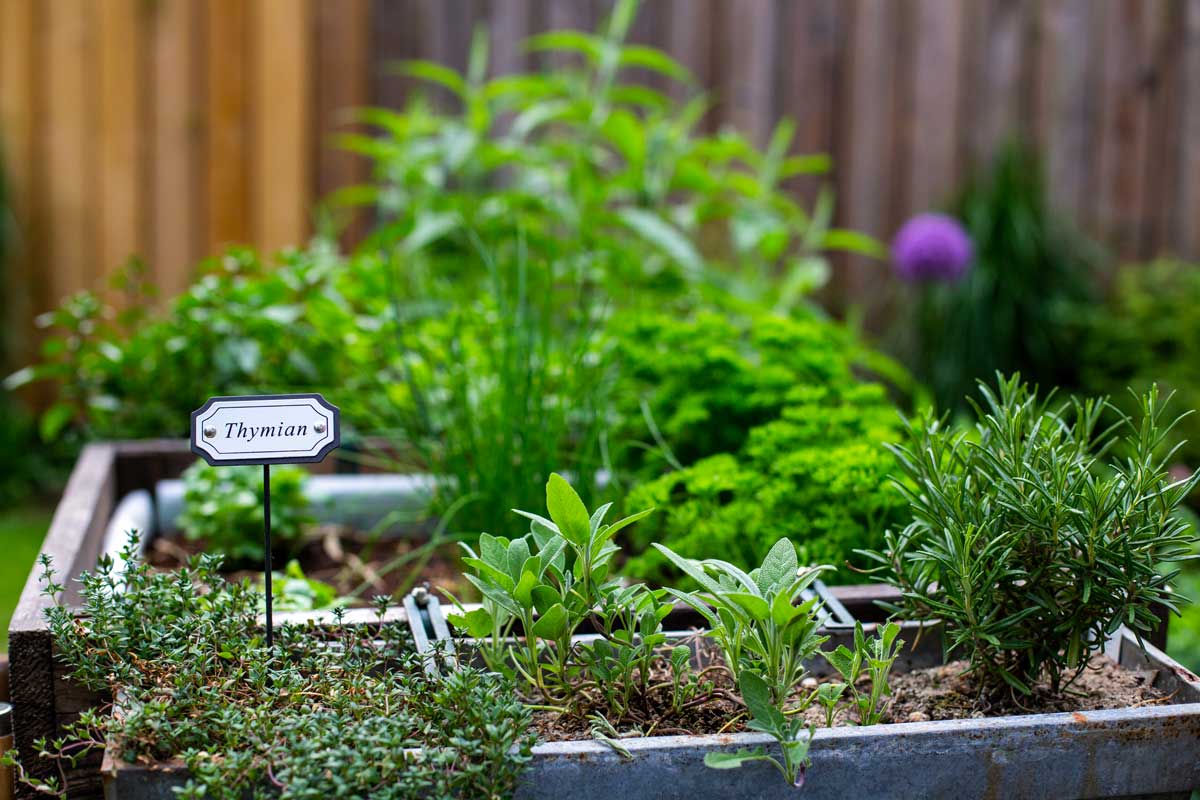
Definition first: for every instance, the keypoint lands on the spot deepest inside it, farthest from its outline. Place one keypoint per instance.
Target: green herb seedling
(768, 718)
(875, 657)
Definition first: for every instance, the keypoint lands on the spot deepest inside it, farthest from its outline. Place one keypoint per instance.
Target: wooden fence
(170, 127)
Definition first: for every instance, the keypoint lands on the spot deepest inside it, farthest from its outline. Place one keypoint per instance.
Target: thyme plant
(1026, 544)
(183, 655)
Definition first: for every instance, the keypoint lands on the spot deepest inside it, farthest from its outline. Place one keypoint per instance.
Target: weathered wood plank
(1187, 238)
(226, 164)
(72, 542)
(119, 193)
(939, 28)
(175, 151)
(68, 129)
(280, 155)
(19, 104)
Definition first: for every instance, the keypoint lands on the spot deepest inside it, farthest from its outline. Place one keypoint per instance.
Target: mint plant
(1027, 546)
(793, 735)
(754, 617)
(875, 657)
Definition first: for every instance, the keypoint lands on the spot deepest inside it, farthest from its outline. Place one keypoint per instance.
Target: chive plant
(1027, 544)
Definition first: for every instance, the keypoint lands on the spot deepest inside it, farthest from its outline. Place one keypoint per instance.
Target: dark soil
(936, 693)
(345, 559)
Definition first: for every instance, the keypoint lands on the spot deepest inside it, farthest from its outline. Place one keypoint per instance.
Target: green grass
(1183, 639)
(21, 534)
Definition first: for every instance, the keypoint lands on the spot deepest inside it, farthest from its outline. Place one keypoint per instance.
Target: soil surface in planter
(935, 693)
(345, 559)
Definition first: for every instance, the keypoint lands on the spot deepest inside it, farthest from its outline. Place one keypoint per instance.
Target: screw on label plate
(209, 431)
(319, 427)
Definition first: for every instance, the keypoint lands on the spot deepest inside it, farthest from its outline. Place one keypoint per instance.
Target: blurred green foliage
(1148, 332)
(223, 508)
(1017, 306)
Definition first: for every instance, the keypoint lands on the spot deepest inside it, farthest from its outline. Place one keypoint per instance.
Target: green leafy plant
(828, 696)
(753, 616)
(223, 507)
(767, 718)
(767, 433)
(295, 591)
(1028, 548)
(183, 655)
(544, 585)
(875, 657)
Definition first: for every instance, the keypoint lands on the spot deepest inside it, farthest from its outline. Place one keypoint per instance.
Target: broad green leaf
(756, 695)
(477, 623)
(655, 60)
(517, 555)
(779, 567)
(435, 73)
(690, 568)
(574, 41)
(754, 605)
(523, 594)
(551, 624)
(567, 511)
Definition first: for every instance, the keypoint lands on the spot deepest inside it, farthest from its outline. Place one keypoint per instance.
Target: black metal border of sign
(320, 455)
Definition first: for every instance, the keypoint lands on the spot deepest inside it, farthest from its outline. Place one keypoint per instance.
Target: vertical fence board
(939, 26)
(279, 156)
(1124, 121)
(342, 85)
(69, 175)
(226, 142)
(119, 190)
(1067, 99)
(1188, 237)
(748, 91)
(174, 236)
(865, 125)
(18, 101)
(177, 126)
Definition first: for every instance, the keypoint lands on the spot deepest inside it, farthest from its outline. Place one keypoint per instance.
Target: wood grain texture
(1187, 238)
(119, 190)
(280, 155)
(19, 150)
(174, 238)
(70, 71)
(226, 124)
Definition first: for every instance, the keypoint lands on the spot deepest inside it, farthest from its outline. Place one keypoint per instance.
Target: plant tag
(265, 429)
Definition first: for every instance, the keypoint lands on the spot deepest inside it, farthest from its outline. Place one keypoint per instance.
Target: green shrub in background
(1018, 304)
(223, 507)
(772, 435)
(1149, 332)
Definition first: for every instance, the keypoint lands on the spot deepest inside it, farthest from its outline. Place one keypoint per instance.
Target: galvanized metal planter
(1152, 751)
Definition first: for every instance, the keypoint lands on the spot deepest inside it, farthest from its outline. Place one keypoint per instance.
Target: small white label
(265, 429)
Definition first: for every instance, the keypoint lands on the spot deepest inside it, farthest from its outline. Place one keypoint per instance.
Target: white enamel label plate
(265, 429)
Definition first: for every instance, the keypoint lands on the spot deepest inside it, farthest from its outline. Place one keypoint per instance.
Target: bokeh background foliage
(582, 254)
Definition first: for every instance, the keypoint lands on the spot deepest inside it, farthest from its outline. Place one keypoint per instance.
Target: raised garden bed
(1149, 750)
(1152, 751)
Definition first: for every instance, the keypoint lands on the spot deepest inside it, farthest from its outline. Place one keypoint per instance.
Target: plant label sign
(265, 429)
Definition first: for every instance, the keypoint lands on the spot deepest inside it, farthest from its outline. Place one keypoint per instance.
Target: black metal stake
(267, 550)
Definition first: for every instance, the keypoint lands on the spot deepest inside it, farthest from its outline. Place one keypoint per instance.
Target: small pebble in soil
(809, 683)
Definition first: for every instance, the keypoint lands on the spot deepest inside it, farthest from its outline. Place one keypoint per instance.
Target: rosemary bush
(1026, 544)
(343, 711)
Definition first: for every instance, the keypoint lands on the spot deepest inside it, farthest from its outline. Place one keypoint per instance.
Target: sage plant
(1026, 543)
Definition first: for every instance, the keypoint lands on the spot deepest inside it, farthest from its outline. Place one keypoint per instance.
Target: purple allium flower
(931, 247)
